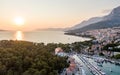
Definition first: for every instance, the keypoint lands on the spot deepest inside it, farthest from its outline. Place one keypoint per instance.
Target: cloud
(106, 11)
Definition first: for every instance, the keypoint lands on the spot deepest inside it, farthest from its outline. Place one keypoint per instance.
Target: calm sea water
(41, 36)
(107, 67)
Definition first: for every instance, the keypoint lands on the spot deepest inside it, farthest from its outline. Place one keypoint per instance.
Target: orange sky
(39, 14)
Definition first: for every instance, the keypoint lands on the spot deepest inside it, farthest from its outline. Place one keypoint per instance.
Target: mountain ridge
(86, 22)
(110, 20)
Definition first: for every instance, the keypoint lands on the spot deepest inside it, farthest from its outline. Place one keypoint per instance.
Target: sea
(41, 36)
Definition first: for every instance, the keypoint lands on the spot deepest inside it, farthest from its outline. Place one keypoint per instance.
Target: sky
(39, 14)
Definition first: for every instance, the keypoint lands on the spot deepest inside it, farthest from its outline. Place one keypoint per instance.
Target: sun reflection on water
(19, 35)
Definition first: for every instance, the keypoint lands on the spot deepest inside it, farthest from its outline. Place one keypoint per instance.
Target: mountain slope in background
(3, 30)
(110, 20)
(85, 23)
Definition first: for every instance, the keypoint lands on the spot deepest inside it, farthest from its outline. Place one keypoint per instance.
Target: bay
(40, 36)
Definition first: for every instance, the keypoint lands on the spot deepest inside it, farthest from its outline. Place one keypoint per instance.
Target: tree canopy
(28, 58)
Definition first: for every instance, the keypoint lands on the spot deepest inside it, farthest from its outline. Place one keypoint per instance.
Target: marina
(106, 67)
(94, 65)
(94, 69)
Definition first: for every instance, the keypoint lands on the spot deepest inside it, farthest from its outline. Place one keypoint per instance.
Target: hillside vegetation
(28, 58)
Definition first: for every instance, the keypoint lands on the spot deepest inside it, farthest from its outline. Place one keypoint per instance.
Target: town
(105, 47)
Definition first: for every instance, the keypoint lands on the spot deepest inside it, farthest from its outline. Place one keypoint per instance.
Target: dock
(94, 69)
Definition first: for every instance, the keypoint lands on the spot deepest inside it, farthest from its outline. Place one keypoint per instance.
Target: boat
(117, 63)
(110, 70)
(99, 64)
(83, 72)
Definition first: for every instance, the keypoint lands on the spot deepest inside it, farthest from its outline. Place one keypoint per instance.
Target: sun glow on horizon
(19, 21)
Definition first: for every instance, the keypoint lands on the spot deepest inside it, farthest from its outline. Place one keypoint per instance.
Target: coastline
(84, 36)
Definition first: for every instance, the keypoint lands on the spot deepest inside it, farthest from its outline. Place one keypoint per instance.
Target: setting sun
(19, 21)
